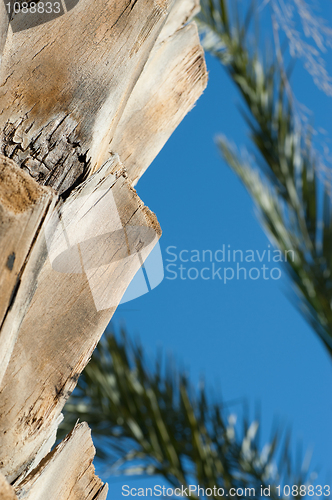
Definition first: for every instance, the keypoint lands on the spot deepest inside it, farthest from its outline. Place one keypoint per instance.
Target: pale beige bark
(68, 314)
(160, 99)
(6, 491)
(181, 13)
(23, 208)
(59, 475)
(65, 88)
(4, 21)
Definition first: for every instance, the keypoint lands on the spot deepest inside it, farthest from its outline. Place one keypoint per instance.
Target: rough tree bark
(88, 99)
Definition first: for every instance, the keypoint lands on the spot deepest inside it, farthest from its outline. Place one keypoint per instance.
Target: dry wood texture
(88, 99)
(59, 475)
(6, 491)
(4, 22)
(160, 99)
(61, 107)
(71, 308)
(23, 208)
(65, 88)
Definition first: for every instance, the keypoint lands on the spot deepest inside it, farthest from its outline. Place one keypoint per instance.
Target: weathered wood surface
(70, 308)
(23, 209)
(103, 79)
(61, 128)
(6, 491)
(160, 99)
(66, 473)
(180, 14)
(66, 82)
(4, 21)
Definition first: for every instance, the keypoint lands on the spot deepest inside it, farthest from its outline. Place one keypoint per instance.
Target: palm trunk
(88, 99)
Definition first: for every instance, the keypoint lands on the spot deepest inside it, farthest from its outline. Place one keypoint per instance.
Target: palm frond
(292, 196)
(151, 421)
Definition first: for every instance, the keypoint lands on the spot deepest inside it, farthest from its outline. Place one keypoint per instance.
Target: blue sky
(245, 337)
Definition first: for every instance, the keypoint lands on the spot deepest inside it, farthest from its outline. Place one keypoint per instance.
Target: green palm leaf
(282, 175)
(151, 421)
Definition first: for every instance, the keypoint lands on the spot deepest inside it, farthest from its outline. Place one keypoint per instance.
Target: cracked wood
(60, 107)
(23, 208)
(66, 473)
(106, 77)
(68, 312)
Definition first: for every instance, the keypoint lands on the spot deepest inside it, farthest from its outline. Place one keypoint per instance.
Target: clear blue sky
(245, 337)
